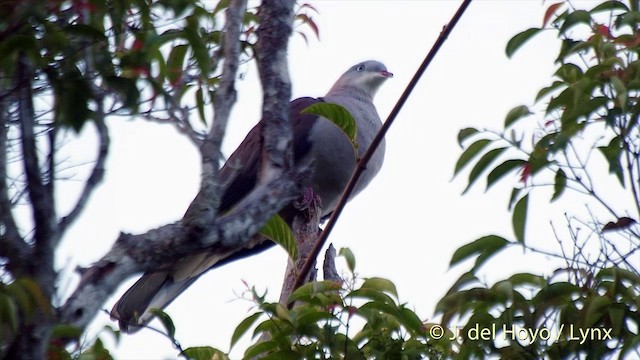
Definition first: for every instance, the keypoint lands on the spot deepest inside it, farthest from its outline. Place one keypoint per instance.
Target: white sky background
(410, 220)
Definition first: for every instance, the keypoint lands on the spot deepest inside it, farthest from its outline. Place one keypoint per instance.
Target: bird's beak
(386, 74)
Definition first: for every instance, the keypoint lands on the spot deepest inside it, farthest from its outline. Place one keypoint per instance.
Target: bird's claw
(307, 199)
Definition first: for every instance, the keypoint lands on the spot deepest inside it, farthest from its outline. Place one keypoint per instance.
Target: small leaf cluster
(332, 320)
(589, 118)
(533, 317)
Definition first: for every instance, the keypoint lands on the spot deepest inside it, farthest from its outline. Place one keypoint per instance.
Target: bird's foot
(306, 200)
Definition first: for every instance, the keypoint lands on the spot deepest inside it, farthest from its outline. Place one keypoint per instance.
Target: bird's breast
(334, 156)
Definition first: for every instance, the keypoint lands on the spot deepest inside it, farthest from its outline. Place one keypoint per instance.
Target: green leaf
(517, 41)
(631, 19)
(370, 294)
(465, 134)
(312, 289)
(487, 253)
(198, 46)
(547, 90)
(610, 5)
(243, 327)
(67, 332)
(569, 73)
(612, 153)
(501, 170)
(166, 321)
(575, 18)
(286, 354)
(514, 196)
(463, 282)
(8, 314)
(349, 257)
(516, 114)
(471, 152)
(338, 115)
(482, 164)
(555, 295)
(519, 219)
(477, 247)
(596, 308)
(204, 353)
(175, 62)
(527, 279)
(277, 230)
(260, 349)
(380, 284)
(200, 104)
(410, 320)
(560, 184)
(621, 91)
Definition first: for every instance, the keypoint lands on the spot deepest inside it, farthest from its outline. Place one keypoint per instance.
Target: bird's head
(367, 76)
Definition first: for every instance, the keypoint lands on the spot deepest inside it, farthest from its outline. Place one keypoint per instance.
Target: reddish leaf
(550, 11)
(526, 172)
(306, 19)
(603, 30)
(622, 223)
(137, 45)
(309, 6)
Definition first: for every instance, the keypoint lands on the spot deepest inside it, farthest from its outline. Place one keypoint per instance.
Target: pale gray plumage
(316, 139)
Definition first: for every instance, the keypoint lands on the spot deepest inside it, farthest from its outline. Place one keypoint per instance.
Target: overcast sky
(406, 225)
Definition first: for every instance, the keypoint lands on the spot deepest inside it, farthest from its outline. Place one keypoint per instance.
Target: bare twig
(362, 163)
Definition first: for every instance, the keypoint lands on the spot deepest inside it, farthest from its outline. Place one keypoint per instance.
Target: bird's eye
(360, 68)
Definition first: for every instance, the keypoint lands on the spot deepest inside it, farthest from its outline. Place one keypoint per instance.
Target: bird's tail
(155, 290)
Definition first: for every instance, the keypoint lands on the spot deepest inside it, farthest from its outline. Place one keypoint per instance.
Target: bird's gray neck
(354, 92)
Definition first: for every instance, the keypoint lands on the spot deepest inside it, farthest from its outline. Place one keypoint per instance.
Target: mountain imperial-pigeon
(314, 138)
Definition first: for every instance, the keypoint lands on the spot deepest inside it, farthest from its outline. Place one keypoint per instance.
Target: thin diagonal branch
(96, 176)
(362, 163)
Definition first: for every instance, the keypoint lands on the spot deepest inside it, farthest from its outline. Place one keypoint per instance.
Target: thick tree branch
(12, 246)
(276, 22)
(203, 209)
(32, 339)
(306, 230)
(40, 197)
(38, 194)
(133, 254)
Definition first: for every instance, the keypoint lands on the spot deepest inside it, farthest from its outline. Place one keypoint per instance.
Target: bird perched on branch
(315, 139)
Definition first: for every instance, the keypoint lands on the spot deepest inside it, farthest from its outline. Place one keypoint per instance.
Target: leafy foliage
(356, 319)
(590, 118)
